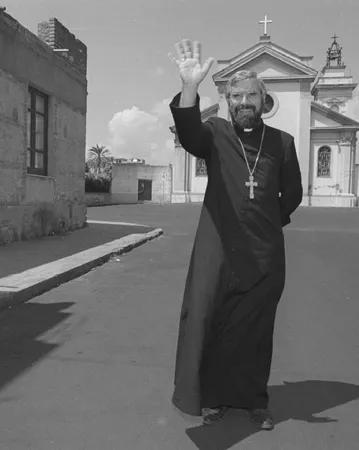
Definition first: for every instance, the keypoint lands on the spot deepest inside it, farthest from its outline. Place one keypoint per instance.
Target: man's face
(245, 103)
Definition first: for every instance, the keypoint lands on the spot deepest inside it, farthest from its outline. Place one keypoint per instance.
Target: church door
(144, 190)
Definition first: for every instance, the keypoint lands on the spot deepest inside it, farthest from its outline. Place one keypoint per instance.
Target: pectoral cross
(251, 184)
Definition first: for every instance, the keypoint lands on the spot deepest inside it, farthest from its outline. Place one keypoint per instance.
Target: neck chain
(251, 184)
(251, 172)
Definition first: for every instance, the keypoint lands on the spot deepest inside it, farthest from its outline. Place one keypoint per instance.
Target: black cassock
(237, 268)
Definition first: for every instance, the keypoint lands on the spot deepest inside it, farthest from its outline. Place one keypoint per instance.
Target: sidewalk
(23, 255)
(30, 268)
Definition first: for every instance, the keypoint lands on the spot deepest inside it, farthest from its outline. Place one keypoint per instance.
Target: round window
(335, 108)
(270, 105)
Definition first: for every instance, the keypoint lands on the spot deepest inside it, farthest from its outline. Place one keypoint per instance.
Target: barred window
(201, 168)
(324, 161)
(37, 133)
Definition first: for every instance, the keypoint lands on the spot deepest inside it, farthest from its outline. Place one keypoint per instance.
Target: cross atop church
(265, 22)
(335, 37)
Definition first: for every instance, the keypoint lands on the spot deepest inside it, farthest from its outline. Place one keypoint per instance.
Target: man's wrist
(188, 95)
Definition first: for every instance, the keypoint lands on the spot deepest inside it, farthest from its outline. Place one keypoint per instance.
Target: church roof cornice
(341, 119)
(338, 128)
(262, 49)
(208, 112)
(262, 45)
(324, 86)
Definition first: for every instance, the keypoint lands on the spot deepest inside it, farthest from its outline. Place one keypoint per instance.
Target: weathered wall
(102, 199)
(32, 205)
(58, 36)
(125, 182)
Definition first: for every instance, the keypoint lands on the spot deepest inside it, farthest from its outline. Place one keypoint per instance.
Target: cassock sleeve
(194, 135)
(290, 184)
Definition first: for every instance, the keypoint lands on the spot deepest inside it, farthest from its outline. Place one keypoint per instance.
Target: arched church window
(335, 108)
(201, 168)
(324, 161)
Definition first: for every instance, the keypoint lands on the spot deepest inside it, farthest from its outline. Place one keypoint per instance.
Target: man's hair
(245, 75)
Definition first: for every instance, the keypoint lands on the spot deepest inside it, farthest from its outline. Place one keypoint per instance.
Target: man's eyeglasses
(238, 97)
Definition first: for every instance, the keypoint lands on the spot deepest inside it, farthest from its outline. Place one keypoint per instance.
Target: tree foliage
(99, 159)
(98, 169)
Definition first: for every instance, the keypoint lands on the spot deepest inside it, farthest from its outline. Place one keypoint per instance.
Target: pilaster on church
(222, 101)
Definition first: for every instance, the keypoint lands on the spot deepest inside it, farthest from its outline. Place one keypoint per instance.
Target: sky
(131, 78)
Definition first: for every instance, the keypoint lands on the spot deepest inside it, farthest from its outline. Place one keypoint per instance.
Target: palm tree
(98, 157)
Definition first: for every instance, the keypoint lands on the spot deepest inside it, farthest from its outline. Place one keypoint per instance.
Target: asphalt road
(89, 365)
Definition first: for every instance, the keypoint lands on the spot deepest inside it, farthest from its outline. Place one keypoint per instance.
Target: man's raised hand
(189, 63)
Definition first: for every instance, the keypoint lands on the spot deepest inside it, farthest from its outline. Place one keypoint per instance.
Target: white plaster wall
(223, 106)
(198, 184)
(318, 120)
(179, 169)
(345, 175)
(303, 145)
(287, 116)
(268, 66)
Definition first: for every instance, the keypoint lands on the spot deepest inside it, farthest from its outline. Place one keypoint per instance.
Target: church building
(311, 105)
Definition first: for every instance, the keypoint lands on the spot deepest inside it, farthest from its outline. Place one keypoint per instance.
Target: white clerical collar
(247, 130)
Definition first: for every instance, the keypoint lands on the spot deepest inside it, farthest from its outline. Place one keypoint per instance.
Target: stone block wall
(125, 182)
(58, 36)
(34, 205)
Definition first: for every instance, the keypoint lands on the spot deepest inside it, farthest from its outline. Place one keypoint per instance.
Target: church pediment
(269, 61)
(324, 117)
(211, 111)
(267, 66)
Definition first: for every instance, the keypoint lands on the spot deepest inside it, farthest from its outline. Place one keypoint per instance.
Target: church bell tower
(332, 87)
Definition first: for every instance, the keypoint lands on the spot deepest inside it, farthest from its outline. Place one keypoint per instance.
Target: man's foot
(213, 415)
(262, 418)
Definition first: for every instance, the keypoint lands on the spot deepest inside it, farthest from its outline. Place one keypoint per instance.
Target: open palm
(189, 62)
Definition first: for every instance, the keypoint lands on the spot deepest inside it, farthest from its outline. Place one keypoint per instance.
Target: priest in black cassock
(237, 268)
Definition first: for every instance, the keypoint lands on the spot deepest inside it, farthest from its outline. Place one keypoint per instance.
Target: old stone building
(139, 183)
(43, 92)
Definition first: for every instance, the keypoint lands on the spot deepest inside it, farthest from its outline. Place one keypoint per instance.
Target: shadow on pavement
(20, 330)
(296, 401)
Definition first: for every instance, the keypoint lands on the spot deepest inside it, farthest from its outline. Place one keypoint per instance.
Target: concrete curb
(21, 287)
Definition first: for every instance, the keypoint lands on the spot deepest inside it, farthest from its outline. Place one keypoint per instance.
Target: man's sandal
(213, 415)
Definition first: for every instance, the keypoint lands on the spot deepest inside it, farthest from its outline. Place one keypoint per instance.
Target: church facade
(311, 105)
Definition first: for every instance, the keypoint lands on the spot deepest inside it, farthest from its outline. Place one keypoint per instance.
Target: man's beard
(245, 119)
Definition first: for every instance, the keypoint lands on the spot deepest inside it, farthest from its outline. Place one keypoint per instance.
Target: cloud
(139, 134)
